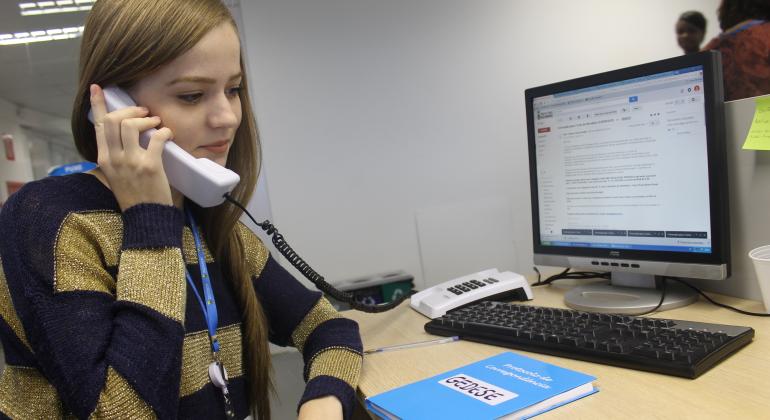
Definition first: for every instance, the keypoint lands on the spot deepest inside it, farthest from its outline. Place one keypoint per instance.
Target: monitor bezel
(716, 151)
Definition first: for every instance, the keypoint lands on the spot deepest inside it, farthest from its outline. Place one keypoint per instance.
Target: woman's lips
(217, 147)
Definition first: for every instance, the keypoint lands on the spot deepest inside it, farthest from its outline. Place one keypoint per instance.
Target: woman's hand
(324, 408)
(134, 175)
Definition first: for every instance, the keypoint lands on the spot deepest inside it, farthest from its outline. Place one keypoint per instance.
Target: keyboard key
(573, 341)
(646, 352)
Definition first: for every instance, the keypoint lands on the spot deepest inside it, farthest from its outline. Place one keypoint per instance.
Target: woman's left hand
(324, 408)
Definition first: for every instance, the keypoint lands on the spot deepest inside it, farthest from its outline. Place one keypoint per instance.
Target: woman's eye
(234, 91)
(190, 98)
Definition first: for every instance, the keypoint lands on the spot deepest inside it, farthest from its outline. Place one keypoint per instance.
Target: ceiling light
(59, 6)
(40, 36)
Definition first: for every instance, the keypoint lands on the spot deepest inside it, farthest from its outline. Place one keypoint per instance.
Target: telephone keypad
(467, 286)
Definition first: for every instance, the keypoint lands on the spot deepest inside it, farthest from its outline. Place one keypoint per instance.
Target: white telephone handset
(199, 179)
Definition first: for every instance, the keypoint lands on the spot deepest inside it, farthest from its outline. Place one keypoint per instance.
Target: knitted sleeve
(330, 344)
(100, 297)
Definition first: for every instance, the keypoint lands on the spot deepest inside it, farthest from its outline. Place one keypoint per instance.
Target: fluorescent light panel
(59, 6)
(41, 36)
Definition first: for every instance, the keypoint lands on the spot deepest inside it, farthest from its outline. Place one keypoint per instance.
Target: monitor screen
(612, 159)
(628, 171)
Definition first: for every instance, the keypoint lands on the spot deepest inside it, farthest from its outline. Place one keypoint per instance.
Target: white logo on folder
(487, 393)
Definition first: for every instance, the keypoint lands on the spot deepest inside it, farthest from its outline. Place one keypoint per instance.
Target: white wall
(40, 141)
(394, 131)
(19, 169)
(50, 140)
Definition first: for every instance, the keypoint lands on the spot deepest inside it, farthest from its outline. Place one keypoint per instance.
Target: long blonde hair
(126, 40)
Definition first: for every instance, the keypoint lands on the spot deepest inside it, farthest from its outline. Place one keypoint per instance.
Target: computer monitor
(628, 175)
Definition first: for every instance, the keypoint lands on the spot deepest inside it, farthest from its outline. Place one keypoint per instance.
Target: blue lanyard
(210, 306)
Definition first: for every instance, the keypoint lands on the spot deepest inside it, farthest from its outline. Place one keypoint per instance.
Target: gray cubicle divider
(749, 183)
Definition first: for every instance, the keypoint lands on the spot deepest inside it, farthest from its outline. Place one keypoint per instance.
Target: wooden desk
(737, 388)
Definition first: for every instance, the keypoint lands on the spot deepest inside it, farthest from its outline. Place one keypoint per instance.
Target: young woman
(119, 298)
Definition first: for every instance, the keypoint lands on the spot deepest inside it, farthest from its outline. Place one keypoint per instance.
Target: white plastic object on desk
(438, 300)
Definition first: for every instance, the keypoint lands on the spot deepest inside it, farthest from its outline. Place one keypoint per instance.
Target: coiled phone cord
(318, 280)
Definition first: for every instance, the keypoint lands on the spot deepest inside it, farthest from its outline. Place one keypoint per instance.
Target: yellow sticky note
(759, 133)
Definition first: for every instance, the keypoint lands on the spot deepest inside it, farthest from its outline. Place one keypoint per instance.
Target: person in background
(745, 46)
(690, 30)
(102, 273)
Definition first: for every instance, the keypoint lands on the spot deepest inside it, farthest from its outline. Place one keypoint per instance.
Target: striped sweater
(98, 321)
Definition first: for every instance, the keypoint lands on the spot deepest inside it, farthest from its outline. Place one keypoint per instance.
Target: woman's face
(196, 95)
(688, 36)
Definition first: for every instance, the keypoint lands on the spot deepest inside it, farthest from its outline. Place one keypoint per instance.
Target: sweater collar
(740, 27)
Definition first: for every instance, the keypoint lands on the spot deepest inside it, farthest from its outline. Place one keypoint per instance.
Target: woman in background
(103, 272)
(745, 46)
(690, 30)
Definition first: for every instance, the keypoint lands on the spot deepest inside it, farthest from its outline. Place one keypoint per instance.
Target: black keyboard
(668, 346)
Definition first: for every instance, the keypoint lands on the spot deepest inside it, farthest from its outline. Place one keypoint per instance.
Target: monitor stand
(628, 293)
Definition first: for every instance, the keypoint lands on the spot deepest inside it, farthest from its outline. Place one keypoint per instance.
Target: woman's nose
(224, 113)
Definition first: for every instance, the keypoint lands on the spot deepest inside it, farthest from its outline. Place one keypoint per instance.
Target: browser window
(624, 165)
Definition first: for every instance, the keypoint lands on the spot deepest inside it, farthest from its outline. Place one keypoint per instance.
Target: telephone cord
(318, 280)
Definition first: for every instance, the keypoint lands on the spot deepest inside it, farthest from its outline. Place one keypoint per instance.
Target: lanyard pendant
(218, 376)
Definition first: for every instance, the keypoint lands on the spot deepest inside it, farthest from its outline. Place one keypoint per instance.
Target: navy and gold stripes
(196, 357)
(8, 313)
(256, 252)
(87, 237)
(188, 247)
(26, 394)
(321, 312)
(153, 278)
(97, 321)
(120, 400)
(341, 363)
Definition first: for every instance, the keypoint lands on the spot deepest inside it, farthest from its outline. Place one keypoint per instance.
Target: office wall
(19, 169)
(394, 131)
(40, 141)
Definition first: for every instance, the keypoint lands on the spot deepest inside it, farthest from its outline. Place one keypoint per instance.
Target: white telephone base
(484, 285)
